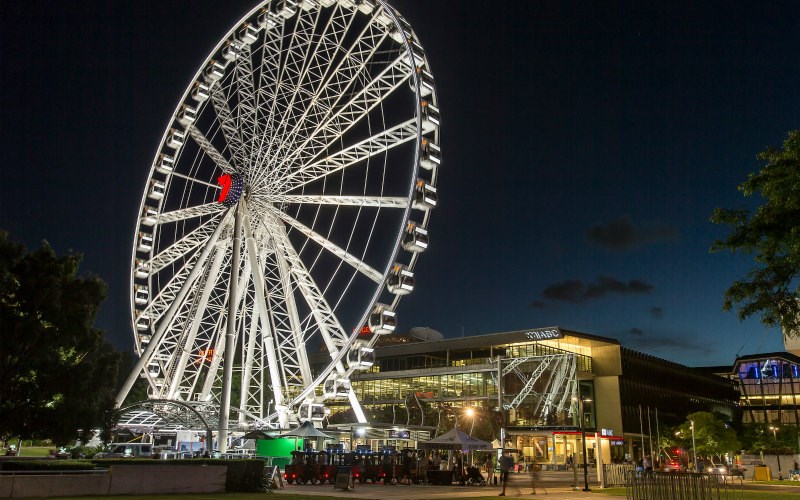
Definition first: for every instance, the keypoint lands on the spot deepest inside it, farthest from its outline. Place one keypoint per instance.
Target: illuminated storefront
(539, 374)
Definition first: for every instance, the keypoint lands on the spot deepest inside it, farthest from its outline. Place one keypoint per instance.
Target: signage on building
(400, 434)
(606, 432)
(544, 334)
(617, 442)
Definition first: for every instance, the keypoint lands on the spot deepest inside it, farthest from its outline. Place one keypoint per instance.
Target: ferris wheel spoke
(333, 82)
(285, 322)
(209, 149)
(323, 135)
(352, 155)
(226, 121)
(333, 248)
(247, 123)
(336, 200)
(185, 360)
(190, 212)
(186, 245)
(331, 331)
(164, 320)
(268, 343)
(286, 84)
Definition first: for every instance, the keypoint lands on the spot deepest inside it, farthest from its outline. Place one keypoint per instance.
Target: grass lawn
(36, 451)
(619, 492)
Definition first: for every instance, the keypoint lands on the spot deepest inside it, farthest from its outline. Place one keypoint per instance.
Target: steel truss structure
(549, 384)
(286, 207)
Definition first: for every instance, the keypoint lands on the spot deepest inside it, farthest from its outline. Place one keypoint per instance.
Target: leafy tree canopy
(713, 438)
(771, 233)
(57, 373)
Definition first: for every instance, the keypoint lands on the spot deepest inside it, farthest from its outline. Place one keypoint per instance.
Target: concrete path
(558, 485)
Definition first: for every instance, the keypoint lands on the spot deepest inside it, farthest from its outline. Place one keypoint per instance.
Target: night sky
(585, 146)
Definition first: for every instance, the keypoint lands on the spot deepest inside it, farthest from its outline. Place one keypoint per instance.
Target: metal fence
(682, 486)
(614, 474)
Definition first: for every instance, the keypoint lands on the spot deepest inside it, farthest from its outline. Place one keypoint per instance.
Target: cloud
(576, 291)
(657, 312)
(658, 343)
(622, 234)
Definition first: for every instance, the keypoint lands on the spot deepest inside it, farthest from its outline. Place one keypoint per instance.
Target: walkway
(558, 485)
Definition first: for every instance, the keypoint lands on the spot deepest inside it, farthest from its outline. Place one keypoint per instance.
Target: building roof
(492, 339)
(769, 355)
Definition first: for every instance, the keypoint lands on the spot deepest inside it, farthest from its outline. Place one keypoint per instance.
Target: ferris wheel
(285, 210)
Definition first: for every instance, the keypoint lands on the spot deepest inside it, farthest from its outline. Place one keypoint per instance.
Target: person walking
(535, 468)
(506, 463)
(490, 469)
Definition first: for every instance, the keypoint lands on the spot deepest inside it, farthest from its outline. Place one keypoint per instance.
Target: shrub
(46, 465)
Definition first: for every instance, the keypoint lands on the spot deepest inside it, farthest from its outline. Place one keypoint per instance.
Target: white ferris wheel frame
(182, 254)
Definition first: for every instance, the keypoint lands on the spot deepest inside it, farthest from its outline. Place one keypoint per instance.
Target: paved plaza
(558, 485)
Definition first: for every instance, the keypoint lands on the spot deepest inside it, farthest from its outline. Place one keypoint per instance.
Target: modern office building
(554, 384)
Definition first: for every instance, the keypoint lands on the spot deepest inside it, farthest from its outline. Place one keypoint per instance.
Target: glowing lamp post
(777, 455)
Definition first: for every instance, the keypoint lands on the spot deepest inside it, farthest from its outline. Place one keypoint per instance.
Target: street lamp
(471, 414)
(581, 400)
(775, 437)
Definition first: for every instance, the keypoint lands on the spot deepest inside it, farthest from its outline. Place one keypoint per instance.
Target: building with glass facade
(543, 386)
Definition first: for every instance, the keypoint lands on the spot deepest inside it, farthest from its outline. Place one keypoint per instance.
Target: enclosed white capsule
(214, 71)
(361, 358)
(248, 33)
(431, 154)
(315, 412)
(175, 138)
(142, 269)
(336, 388)
(424, 196)
(145, 242)
(416, 238)
(149, 216)
(231, 50)
(165, 163)
(269, 20)
(400, 281)
(365, 6)
(187, 114)
(286, 8)
(200, 92)
(383, 320)
(430, 117)
(143, 324)
(141, 295)
(157, 189)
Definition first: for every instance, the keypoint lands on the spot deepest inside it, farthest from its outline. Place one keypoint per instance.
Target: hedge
(47, 465)
(244, 475)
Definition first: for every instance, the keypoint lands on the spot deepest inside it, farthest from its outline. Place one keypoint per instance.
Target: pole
(583, 439)
(500, 402)
(230, 335)
(650, 436)
(641, 432)
(777, 455)
(694, 448)
(658, 438)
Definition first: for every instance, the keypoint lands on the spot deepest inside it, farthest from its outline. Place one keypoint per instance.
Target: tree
(712, 437)
(772, 234)
(57, 373)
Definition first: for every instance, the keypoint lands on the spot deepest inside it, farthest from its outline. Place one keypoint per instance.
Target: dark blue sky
(585, 146)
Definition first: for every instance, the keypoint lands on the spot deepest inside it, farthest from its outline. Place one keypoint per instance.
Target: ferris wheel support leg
(362, 419)
(167, 319)
(230, 335)
(261, 304)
